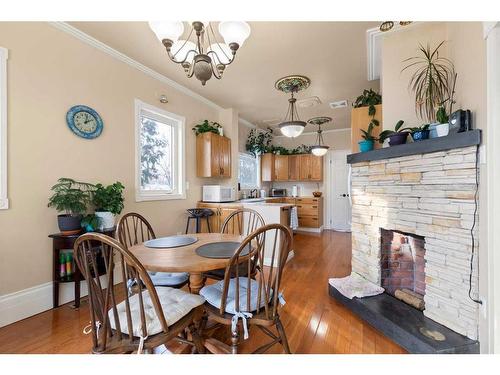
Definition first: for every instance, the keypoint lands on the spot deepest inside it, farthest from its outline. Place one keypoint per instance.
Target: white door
(339, 201)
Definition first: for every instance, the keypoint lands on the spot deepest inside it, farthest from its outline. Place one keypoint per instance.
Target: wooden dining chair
(243, 222)
(150, 317)
(242, 302)
(133, 229)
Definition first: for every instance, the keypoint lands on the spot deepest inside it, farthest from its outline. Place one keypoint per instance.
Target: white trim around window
(4, 201)
(178, 190)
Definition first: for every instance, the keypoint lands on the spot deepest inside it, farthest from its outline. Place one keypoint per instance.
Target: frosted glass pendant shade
(234, 31)
(319, 150)
(292, 129)
(181, 49)
(167, 29)
(223, 52)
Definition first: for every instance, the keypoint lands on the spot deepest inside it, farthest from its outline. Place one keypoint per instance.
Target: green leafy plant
(370, 99)
(441, 115)
(109, 198)
(387, 133)
(90, 222)
(367, 134)
(417, 128)
(70, 196)
(432, 82)
(302, 149)
(259, 141)
(207, 126)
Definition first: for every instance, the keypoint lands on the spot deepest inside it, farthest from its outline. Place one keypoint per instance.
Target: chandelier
(319, 148)
(292, 126)
(200, 54)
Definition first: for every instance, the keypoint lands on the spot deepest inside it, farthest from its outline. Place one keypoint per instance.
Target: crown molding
(324, 131)
(86, 38)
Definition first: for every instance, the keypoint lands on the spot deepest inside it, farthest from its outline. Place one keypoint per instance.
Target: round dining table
(185, 258)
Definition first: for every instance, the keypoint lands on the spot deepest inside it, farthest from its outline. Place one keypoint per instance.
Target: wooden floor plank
(313, 321)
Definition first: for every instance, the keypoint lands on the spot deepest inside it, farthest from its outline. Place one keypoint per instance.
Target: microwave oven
(218, 193)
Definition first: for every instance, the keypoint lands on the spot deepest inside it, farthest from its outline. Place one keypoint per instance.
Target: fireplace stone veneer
(429, 195)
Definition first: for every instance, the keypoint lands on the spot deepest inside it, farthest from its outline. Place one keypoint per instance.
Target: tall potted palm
(433, 84)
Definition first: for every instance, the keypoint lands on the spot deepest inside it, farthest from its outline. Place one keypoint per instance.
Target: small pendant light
(319, 148)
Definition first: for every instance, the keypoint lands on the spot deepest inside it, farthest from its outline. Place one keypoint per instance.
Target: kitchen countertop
(260, 203)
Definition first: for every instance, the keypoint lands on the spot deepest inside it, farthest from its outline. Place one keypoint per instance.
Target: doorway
(338, 200)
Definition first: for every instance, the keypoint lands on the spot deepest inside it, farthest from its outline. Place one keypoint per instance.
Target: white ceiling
(331, 54)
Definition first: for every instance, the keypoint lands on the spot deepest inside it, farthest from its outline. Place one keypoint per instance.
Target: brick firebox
(402, 261)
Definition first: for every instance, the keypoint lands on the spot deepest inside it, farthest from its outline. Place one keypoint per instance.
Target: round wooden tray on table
(185, 258)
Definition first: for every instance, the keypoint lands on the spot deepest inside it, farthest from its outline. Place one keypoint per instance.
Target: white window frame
(179, 150)
(4, 201)
(244, 154)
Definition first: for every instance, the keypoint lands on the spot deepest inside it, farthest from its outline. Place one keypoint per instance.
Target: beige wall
(48, 72)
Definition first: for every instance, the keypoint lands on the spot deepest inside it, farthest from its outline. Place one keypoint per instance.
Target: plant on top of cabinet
(368, 98)
(207, 126)
(72, 198)
(433, 83)
(259, 141)
(108, 201)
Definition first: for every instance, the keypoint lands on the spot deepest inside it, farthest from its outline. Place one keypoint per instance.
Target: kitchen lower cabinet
(221, 213)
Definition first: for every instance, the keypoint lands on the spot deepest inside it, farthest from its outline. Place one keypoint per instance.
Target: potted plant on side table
(108, 201)
(72, 198)
(397, 136)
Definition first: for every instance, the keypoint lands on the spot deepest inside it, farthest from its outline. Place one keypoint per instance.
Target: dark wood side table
(65, 242)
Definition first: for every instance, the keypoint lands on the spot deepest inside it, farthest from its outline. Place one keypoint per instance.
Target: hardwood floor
(314, 322)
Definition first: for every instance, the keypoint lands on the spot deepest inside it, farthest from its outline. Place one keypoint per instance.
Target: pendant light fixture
(292, 126)
(319, 148)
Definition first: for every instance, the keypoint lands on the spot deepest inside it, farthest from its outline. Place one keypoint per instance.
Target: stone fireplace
(412, 218)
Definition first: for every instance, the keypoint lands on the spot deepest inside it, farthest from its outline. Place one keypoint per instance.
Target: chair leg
(208, 224)
(197, 340)
(235, 340)
(187, 225)
(282, 334)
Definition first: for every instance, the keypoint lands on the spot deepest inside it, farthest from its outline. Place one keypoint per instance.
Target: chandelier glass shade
(319, 148)
(200, 54)
(292, 126)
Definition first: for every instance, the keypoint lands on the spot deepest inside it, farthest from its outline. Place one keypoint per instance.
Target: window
(160, 167)
(248, 172)
(4, 202)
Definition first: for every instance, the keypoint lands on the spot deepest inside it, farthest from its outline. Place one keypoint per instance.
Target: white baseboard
(31, 301)
(310, 230)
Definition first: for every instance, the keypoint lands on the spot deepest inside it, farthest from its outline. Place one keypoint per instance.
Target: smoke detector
(308, 102)
(338, 104)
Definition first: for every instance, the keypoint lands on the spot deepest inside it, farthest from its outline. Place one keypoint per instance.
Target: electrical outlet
(482, 154)
(484, 310)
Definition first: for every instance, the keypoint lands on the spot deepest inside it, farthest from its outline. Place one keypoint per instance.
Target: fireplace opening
(403, 266)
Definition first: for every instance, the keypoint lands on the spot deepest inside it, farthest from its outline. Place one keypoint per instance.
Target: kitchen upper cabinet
(293, 167)
(304, 167)
(267, 167)
(311, 168)
(213, 155)
(280, 168)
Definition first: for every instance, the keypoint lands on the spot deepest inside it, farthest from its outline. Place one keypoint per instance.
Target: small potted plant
(259, 141)
(208, 126)
(368, 139)
(419, 133)
(72, 198)
(397, 136)
(90, 223)
(108, 201)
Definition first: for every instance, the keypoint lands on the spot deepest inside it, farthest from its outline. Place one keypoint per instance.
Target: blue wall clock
(84, 121)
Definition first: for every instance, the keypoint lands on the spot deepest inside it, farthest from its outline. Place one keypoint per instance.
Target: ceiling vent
(339, 104)
(271, 122)
(308, 102)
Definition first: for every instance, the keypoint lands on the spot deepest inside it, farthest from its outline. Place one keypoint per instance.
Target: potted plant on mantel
(368, 139)
(433, 83)
(108, 201)
(72, 198)
(397, 136)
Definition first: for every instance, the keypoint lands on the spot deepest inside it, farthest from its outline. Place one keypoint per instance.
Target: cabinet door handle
(314, 206)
